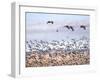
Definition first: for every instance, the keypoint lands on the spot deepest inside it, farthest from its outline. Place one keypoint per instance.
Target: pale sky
(36, 19)
(36, 25)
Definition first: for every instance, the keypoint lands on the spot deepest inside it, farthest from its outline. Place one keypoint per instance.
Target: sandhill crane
(82, 26)
(69, 27)
(50, 22)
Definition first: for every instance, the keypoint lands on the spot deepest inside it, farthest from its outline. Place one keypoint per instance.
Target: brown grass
(57, 59)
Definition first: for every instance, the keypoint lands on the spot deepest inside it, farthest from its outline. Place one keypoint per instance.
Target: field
(57, 58)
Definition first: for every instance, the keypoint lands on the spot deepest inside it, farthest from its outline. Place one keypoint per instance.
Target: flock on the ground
(40, 45)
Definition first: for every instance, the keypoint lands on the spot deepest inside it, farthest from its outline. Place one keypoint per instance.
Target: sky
(37, 27)
(42, 18)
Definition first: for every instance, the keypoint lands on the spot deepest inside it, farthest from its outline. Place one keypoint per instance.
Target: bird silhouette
(69, 27)
(50, 22)
(82, 26)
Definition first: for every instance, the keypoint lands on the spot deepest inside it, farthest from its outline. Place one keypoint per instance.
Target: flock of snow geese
(56, 45)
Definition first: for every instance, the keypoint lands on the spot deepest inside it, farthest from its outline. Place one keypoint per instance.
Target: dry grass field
(57, 58)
